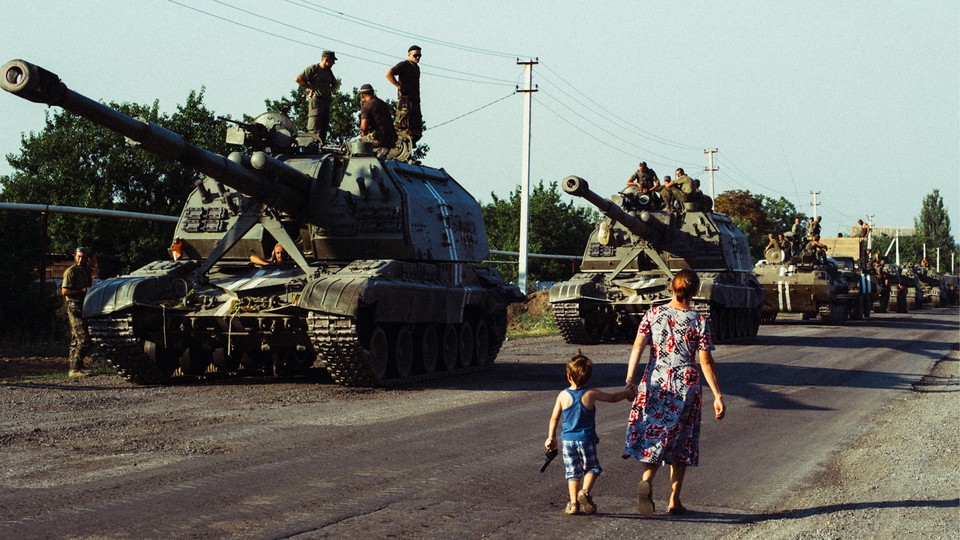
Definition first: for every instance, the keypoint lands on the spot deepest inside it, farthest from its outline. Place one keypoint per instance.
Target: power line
(616, 119)
(471, 112)
(610, 133)
(313, 6)
(490, 80)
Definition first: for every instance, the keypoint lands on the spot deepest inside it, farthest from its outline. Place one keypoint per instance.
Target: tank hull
(808, 290)
(367, 323)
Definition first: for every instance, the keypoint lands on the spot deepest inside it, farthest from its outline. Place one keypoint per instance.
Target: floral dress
(664, 424)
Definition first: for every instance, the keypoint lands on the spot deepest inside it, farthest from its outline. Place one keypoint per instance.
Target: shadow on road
(734, 518)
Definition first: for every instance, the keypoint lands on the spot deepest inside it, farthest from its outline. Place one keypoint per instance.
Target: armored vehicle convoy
(374, 272)
(630, 260)
(807, 285)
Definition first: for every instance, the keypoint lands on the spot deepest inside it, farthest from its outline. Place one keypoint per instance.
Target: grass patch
(533, 318)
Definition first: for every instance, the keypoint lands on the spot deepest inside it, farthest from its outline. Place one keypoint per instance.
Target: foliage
(933, 229)
(757, 216)
(555, 227)
(73, 162)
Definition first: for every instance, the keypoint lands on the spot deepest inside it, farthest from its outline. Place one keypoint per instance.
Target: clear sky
(859, 100)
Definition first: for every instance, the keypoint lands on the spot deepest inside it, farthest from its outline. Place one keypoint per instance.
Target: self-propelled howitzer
(377, 281)
(632, 256)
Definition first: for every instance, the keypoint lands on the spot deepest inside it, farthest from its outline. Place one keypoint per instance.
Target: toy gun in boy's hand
(548, 458)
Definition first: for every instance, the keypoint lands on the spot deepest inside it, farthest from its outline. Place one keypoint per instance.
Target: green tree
(74, 162)
(555, 227)
(747, 212)
(933, 229)
(780, 213)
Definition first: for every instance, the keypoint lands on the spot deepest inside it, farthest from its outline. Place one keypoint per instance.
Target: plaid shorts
(580, 457)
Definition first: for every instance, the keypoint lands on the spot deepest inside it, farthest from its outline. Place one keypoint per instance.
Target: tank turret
(384, 285)
(630, 259)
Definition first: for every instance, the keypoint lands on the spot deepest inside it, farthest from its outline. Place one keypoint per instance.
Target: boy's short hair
(580, 369)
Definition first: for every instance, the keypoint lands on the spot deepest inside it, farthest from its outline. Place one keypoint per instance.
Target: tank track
(835, 313)
(571, 324)
(117, 339)
(337, 343)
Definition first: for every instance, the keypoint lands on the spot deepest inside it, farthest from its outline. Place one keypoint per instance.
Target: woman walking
(664, 424)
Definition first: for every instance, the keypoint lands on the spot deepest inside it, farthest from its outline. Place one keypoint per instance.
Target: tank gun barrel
(645, 226)
(39, 85)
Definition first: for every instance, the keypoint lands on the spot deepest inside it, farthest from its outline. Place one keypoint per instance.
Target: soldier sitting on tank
(785, 244)
(814, 251)
(376, 124)
(279, 257)
(676, 192)
(643, 182)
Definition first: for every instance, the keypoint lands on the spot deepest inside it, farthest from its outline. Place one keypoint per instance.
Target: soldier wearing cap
(76, 280)
(376, 125)
(406, 77)
(320, 83)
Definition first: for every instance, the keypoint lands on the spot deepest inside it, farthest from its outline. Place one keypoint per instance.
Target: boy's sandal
(572, 509)
(586, 502)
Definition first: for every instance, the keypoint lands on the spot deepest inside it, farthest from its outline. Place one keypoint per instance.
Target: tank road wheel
(224, 361)
(289, 361)
(497, 327)
(402, 365)
(466, 345)
(378, 353)
(481, 344)
(163, 362)
(195, 361)
(427, 349)
(449, 347)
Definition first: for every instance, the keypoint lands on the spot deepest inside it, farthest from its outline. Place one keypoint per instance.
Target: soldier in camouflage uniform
(76, 280)
(320, 83)
(406, 77)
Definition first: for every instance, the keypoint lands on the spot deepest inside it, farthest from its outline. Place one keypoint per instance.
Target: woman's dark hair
(685, 284)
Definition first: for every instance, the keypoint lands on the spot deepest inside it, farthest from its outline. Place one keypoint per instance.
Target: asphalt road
(460, 458)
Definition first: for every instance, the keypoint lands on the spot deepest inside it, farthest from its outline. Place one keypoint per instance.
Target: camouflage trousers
(409, 118)
(79, 339)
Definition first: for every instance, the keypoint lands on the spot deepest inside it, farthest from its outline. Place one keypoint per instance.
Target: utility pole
(870, 236)
(711, 169)
(528, 91)
(814, 204)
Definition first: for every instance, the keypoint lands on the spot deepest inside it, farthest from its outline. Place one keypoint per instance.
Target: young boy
(576, 406)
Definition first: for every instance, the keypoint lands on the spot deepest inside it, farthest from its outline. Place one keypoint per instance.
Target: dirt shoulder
(901, 479)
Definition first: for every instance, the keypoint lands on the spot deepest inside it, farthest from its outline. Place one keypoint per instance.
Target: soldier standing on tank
(785, 244)
(376, 126)
(864, 228)
(76, 280)
(320, 83)
(406, 77)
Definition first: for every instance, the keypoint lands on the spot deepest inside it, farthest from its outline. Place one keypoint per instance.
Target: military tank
(379, 283)
(934, 287)
(807, 285)
(630, 260)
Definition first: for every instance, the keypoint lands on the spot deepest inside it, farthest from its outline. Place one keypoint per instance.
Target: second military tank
(375, 272)
(631, 257)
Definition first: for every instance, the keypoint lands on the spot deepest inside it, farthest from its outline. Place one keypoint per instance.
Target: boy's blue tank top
(579, 422)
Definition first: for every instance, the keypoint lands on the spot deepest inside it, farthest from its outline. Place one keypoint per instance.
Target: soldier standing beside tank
(376, 125)
(406, 77)
(320, 83)
(76, 280)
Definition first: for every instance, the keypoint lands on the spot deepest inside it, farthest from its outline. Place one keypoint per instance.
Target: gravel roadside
(900, 479)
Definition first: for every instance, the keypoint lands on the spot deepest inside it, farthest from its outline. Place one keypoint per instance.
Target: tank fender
(116, 294)
(579, 287)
